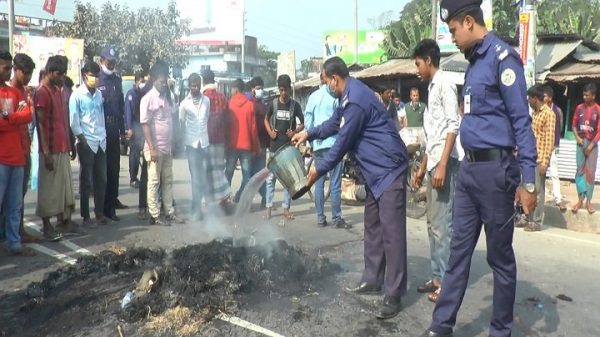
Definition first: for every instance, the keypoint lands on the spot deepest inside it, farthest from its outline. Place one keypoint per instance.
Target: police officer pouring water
(364, 129)
(114, 105)
(491, 179)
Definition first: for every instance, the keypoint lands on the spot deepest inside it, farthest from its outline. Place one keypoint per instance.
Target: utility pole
(355, 31)
(11, 26)
(528, 38)
(243, 38)
(434, 16)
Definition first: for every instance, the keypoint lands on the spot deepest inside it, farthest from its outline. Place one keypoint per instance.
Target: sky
(284, 25)
(281, 25)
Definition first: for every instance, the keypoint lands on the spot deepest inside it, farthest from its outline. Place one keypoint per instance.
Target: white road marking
(559, 236)
(52, 253)
(247, 325)
(66, 243)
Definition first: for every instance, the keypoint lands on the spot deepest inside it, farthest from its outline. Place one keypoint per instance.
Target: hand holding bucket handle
(299, 138)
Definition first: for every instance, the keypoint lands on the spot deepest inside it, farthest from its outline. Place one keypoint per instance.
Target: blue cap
(449, 8)
(109, 53)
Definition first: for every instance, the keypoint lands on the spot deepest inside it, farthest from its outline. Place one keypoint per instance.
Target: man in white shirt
(193, 113)
(440, 162)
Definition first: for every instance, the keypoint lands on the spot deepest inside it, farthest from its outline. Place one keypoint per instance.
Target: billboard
(213, 22)
(443, 36)
(39, 48)
(286, 64)
(342, 44)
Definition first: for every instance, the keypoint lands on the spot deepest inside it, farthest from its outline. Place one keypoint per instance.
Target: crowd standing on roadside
(342, 117)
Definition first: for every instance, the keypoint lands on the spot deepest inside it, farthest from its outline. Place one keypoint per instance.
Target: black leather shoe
(434, 334)
(119, 205)
(364, 289)
(113, 217)
(391, 306)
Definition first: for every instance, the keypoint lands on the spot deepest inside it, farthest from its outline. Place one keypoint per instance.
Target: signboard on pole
(40, 48)
(213, 22)
(341, 43)
(50, 6)
(527, 28)
(286, 64)
(443, 35)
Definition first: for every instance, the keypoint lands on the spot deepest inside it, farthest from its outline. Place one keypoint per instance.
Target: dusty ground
(552, 262)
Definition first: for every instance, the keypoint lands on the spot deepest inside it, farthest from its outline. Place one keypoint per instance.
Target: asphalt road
(552, 262)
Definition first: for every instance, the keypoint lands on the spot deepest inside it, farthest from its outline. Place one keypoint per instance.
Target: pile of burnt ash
(206, 278)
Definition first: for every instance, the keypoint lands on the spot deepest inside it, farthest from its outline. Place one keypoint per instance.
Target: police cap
(449, 8)
(109, 53)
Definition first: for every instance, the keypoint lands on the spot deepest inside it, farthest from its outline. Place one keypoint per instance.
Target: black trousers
(113, 166)
(92, 172)
(143, 190)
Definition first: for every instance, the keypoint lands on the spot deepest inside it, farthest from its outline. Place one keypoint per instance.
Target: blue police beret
(110, 53)
(449, 8)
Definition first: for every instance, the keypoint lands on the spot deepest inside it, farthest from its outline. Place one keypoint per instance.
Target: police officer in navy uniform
(114, 111)
(491, 179)
(364, 129)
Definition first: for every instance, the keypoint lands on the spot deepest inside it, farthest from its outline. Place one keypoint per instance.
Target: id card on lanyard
(467, 100)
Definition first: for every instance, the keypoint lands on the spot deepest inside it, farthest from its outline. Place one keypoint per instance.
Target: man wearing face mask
(132, 125)
(110, 86)
(363, 127)
(319, 108)
(87, 123)
(259, 160)
(496, 121)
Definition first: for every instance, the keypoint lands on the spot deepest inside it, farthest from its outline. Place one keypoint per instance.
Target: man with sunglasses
(114, 111)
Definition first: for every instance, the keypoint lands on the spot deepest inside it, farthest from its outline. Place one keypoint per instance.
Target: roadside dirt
(188, 287)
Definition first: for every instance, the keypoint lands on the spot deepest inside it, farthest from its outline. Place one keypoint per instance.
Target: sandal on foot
(433, 297)
(52, 235)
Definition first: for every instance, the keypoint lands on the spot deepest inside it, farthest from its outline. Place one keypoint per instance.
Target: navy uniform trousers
(113, 164)
(485, 193)
(385, 239)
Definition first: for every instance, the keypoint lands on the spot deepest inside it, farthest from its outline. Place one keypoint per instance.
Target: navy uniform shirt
(111, 88)
(364, 128)
(495, 104)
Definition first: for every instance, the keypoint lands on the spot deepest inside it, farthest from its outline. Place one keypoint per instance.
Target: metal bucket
(287, 165)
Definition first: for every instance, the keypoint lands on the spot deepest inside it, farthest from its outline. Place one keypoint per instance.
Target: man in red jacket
(243, 135)
(15, 112)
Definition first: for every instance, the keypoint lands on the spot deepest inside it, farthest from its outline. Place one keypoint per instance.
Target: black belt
(112, 119)
(488, 155)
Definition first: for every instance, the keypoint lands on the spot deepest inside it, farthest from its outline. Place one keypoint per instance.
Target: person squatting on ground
(440, 162)
(488, 180)
(156, 111)
(319, 108)
(87, 124)
(363, 127)
(281, 124)
(16, 112)
(586, 128)
(193, 115)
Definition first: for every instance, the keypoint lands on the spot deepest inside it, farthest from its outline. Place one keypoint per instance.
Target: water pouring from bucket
(288, 166)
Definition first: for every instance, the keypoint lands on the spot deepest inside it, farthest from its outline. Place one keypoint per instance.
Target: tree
(413, 25)
(141, 37)
(269, 72)
(580, 17)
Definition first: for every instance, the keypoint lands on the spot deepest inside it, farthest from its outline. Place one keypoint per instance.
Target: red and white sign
(50, 6)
